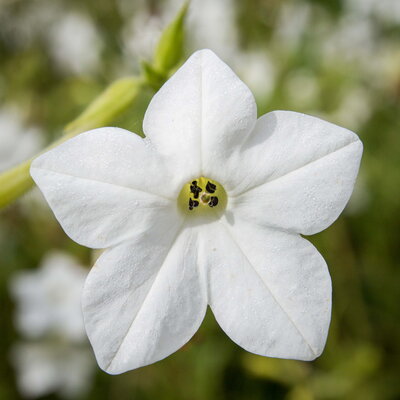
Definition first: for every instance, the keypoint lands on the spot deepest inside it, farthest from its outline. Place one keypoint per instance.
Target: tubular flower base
(208, 209)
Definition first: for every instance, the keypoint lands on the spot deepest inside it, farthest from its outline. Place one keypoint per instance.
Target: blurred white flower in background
(293, 21)
(48, 299)
(143, 26)
(383, 69)
(353, 39)
(141, 33)
(213, 25)
(74, 43)
(302, 89)
(354, 109)
(48, 310)
(52, 366)
(17, 140)
(257, 69)
(20, 30)
(71, 37)
(386, 10)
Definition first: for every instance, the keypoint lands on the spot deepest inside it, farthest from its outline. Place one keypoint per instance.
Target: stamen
(193, 203)
(213, 201)
(210, 187)
(195, 189)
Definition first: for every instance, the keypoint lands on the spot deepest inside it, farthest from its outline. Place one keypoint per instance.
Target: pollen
(202, 196)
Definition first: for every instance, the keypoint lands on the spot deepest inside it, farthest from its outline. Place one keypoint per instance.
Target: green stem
(14, 183)
(102, 111)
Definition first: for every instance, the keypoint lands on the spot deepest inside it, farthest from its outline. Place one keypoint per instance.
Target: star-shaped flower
(51, 366)
(48, 310)
(48, 299)
(208, 209)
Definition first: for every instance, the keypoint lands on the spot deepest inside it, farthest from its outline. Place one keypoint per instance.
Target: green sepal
(169, 50)
(153, 78)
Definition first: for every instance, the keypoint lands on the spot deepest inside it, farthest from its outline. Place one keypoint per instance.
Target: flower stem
(115, 99)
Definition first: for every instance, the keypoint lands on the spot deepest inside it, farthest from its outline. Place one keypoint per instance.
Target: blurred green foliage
(347, 80)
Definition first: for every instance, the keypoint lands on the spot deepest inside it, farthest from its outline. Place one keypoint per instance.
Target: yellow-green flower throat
(202, 196)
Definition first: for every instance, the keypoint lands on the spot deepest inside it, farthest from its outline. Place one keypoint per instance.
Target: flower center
(202, 196)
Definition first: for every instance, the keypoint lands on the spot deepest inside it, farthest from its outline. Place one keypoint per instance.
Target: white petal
(142, 301)
(270, 291)
(297, 173)
(200, 115)
(107, 185)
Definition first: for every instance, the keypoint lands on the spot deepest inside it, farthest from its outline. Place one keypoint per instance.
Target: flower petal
(200, 115)
(107, 185)
(269, 290)
(297, 173)
(151, 305)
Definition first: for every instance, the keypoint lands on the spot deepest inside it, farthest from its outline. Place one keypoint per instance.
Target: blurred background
(337, 59)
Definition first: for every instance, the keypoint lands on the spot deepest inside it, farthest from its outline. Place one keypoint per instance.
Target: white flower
(48, 367)
(48, 299)
(208, 209)
(17, 141)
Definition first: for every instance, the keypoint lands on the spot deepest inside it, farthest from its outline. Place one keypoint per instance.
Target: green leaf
(169, 50)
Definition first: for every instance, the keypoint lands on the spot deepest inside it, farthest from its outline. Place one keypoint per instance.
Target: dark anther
(213, 201)
(193, 203)
(211, 187)
(195, 189)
